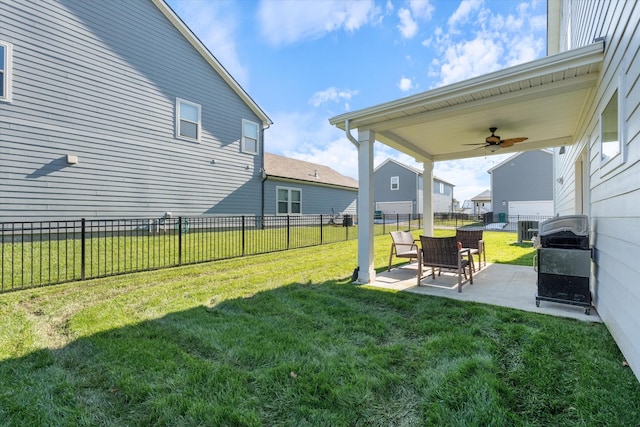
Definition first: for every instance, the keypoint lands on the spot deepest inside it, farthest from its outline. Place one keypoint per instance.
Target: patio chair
(443, 252)
(472, 239)
(403, 245)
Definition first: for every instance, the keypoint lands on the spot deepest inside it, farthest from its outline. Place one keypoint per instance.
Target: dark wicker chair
(403, 245)
(443, 252)
(472, 239)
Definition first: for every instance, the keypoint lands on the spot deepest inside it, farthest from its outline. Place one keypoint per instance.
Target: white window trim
(243, 145)
(397, 181)
(199, 123)
(609, 164)
(289, 189)
(8, 72)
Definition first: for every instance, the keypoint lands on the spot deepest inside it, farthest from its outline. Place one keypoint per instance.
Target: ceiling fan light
(494, 148)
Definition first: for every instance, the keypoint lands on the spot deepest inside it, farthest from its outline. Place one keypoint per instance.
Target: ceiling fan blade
(509, 142)
(479, 143)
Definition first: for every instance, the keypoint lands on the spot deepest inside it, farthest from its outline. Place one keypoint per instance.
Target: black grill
(565, 240)
(564, 261)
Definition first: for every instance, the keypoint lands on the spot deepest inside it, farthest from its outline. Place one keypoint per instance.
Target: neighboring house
(481, 203)
(295, 187)
(116, 109)
(398, 190)
(522, 184)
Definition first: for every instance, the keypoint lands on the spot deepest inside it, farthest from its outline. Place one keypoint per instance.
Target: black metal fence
(42, 253)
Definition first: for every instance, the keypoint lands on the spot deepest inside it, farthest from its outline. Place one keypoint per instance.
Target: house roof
(208, 56)
(542, 100)
(284, 167)
(511, 158)
(410, 168)
(485, 195)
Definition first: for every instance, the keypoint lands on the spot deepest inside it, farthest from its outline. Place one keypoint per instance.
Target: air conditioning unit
(526, 230)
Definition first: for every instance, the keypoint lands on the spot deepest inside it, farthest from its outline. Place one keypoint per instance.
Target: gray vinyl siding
(316, 199)
(613, 195)
(99, 80)
(410, 189)
(407, 190)
(528, 176)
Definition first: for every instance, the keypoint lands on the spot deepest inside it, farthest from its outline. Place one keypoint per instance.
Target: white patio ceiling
(542, 100)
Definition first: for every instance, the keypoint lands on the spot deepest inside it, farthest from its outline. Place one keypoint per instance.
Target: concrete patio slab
(497, 284)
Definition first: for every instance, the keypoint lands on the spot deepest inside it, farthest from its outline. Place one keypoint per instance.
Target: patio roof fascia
(471, 89)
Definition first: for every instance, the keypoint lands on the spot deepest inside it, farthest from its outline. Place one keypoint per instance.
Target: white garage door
(394, 207)
(531, 208)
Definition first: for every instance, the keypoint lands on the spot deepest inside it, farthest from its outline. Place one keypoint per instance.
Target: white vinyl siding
(289, 201)
(611, 189)
(188, 120)
(5, 71)
(250, 137)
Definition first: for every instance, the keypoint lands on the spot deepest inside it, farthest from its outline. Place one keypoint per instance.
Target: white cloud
(462, 14)
(331, 94)
(469, 176)
(489, 42)
(405, 84)
(408, 27)
(470, 58)
(288, 21)
(421, 9)
(215, 23)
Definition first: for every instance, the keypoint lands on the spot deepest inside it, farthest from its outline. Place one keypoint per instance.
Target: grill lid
(576, 224)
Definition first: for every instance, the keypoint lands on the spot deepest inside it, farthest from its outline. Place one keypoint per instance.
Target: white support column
(366, 140)
(427, 198)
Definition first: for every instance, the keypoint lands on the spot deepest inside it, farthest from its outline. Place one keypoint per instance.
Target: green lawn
(286, 339)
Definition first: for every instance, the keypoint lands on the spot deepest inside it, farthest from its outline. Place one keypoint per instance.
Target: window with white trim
(5, 71)
(250, 137)
(188, 120)
(289, 201)
(613, 127)
(441, 188)
(610, 135)
(395, 182)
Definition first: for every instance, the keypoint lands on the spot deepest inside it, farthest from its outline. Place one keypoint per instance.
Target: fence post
(288, 231)
(321, 229)
(83, 250)
(243, 235)
(179, 240)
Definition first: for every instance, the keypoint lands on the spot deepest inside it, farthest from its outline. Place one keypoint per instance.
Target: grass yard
(286, 339)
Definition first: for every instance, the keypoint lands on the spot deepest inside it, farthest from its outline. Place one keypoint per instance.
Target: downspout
(347, 131)
(263, 172)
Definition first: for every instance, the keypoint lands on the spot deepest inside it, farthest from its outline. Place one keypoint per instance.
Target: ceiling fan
(494, 143)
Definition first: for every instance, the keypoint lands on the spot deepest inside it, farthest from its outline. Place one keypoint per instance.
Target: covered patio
(503, 285)
(542, 100)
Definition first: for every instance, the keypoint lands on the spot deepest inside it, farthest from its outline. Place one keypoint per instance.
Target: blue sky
(304, 61)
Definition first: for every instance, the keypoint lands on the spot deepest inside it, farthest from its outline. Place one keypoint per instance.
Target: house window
(613, 125)
(441, 188)
(395, 182)
(289, 201)
(5, 71)
(610, 134)
(250, 137)
(188, 120)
